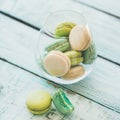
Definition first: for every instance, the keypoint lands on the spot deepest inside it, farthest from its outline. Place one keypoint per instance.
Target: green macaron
(63, 29)
(62, 102)
(38, 102)
(90, 54)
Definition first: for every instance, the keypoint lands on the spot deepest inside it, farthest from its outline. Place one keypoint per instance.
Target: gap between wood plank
(78, 1)
(109, 60)
(19, 20)
(37, 28)
(2, 59)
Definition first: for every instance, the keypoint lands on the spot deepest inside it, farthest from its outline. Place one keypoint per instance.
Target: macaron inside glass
(74, 72)
(80, 38)
(56, 63)
(38, 102)
(63, 29)
(90, 54)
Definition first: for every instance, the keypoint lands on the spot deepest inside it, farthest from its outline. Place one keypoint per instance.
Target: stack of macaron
(39, 102)
(65, 58)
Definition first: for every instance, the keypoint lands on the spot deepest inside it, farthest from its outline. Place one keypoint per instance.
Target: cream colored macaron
(38, 102)
(80, 38)
(56, 63)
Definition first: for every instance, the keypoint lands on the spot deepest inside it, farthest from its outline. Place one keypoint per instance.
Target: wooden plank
(18, 43)
(14, 89)
(105, 28)
(109, 6)
(39, 7)
(7, 4)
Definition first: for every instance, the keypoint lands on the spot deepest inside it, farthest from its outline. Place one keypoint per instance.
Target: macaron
(38, 102)
(62, 102)
(90, 54)
(56, 63)
(63, 29)
(75, 57)
(74, 73)
(80, 38)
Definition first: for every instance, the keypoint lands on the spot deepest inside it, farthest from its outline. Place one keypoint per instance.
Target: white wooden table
(97, 97)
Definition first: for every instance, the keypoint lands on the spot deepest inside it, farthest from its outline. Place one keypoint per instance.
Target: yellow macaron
(38, 102)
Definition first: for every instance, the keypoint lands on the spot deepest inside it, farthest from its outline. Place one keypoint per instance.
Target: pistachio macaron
(90, 54)
(80, 38)
(38, 102)
(62, 103)
(61, 45)
(63, 29)
(75, 57)
(56, 63)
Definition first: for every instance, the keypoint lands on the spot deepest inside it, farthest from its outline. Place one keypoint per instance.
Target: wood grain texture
(110, 6)
(105, 28)
(15, 84)
(18, 43)
(35, 12)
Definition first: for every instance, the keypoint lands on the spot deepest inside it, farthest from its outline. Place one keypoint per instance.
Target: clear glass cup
(47, 38)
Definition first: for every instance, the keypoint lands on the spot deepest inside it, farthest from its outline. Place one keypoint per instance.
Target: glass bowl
(47, 38)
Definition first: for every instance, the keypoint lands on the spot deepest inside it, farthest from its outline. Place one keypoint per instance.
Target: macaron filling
(36, 110)
(62, 103)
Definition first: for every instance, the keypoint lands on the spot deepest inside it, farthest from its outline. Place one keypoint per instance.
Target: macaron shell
(39, 112)
(74, 73)
(63, 29)
(79, 38)
(38, 100)
(64, 56)
(56, 63)
(89, 37)
(62, 102)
